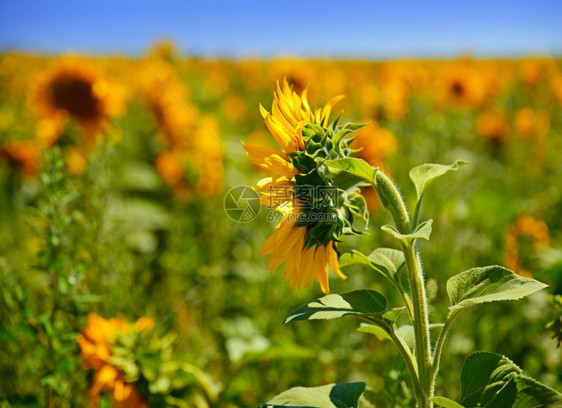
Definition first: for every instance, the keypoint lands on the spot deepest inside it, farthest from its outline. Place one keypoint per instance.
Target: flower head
(316, 207)
(524, 226)
(96, 342)
(193, 158)
(24, 155)
(76, 90)
(491, 125)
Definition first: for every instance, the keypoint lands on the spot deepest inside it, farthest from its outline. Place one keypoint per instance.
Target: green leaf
(385, 261)
(380, 333)
(445, 402)
(493, 381)
(392, 314)
(362, 302)
(486, 378)
(422, 231)
(489, 284)
(341, 395)
(531, 394)
(356, 167)
(405, 333)
(385, 320)
(422, 176)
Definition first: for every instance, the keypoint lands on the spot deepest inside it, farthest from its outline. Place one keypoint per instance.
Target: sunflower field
(139, 266)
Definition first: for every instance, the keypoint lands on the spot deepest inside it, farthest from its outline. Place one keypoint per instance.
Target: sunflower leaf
(380, 333)
(492, 380)
(362, 302)
(340, 395)
(385, 261)
(422, 176)
(445, 402)
(422, 231)
(356, 167)
(489, 284)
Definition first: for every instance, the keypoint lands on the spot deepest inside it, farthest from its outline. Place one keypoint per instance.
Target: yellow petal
(333, 260)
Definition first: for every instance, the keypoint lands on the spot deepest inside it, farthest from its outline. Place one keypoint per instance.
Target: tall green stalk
(392, 200)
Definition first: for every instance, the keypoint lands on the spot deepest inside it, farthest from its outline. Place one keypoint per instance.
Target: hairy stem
(440, 343)
(392, 200)
(421, 323)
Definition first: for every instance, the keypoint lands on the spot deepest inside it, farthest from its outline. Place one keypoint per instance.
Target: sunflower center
(298, 84)
(76, 97)
(457, 89)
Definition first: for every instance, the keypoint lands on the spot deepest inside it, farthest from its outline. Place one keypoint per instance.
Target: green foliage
(422, 231)
(342, 395)
(355, 167)
(386, 261)
(118, 241)
(405, 332)
(422, 176)
(445, 402)
(362, 303)
(488, 284)
(492, 380)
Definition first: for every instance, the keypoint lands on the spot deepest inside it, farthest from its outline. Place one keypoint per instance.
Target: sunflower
(528, 123)
(75, 90)
(162, 89)
(25, 155)
(524, 226)
(305, 248)
(297, 72)
(95, 341)
(491, 125)
(190, 144)
(302, 264)
(462, 85)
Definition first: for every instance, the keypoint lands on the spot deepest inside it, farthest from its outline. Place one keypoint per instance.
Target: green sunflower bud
(330, 206)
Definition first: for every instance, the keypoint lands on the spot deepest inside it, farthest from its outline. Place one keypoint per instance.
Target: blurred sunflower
(207, 157)
(25, 155)
(297, 72)
(73, 89)
(305, 258)
(95, 342)
(163, 49)
(162, 89)
(462, 85)
(524, 226)
(188, 143)
(234, 108)
(531, 71)
(529, 123)
(395, 84)
(491, 125)
(556, 87)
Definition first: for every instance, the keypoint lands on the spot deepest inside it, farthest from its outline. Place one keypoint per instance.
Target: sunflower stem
(392, 201)
(421, 324)
(410, 362)
(440, 343)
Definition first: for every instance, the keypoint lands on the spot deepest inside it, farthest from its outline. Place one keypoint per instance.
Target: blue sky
(370, 29)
